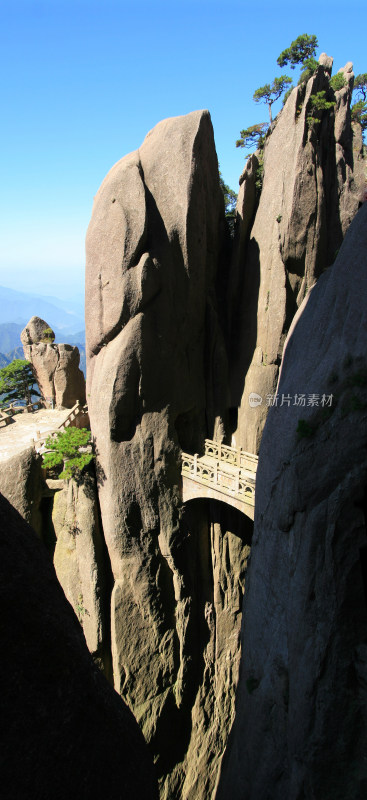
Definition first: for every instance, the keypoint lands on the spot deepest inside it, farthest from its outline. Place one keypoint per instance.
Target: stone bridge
(222, 473)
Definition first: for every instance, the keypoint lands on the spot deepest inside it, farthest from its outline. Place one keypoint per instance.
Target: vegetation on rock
(48, 335)
(254, 136)
(65, 449)
(337, 82)
(310, 66)
(17, 382)
(270, 93)
(359, 109)
(318, 104)
(230, 200)
(300, 51)
(230, 197)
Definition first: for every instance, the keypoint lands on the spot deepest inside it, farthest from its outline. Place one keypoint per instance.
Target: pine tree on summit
(300, 51)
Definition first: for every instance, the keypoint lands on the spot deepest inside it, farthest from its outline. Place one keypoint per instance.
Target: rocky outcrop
(22, 483)
(157, 382)
(65, 733)
(65, 516)
(300, 728)
(36, 331)
(312, 178)
(56, 366)
(80, 561)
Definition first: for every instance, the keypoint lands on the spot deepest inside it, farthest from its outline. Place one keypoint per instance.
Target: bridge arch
(223, 473)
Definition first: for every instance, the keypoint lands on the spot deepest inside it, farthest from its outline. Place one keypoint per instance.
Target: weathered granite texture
(64, 732)
(22, 483)
(301, 709)
(56, 366)
(287, 235)
(36, 331)
(157, 382)
(80, 561)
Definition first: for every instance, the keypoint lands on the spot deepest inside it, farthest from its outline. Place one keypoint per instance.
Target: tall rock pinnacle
(157, 382)
(312, 181)
(56, 366)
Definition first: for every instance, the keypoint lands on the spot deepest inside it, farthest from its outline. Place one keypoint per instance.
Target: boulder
(327, 62)
(65, 732)
(37, 331)
(301, 725)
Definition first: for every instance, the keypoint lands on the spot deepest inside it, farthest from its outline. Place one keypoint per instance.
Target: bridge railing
(231, 455)
(216, 476)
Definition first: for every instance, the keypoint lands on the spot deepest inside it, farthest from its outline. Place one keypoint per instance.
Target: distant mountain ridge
(16, 308)
(10, 336)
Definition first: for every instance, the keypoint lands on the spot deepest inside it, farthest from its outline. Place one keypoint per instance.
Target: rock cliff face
(56, 366)
(80, 562)
(157, 382)
(22, 483)
(300, 727)
(65, 733)
(157, 585)
(312, 179)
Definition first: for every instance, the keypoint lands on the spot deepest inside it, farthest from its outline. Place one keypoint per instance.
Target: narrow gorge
(192, 335)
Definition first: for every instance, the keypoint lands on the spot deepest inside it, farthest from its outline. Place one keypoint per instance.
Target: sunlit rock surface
(310, 192)
(157, 383)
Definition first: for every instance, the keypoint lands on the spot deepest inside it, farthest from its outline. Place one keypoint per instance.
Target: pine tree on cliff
(270, 93)
(301, 52)
(359, 109)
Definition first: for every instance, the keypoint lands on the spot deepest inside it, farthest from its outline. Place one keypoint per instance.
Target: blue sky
(85, 80)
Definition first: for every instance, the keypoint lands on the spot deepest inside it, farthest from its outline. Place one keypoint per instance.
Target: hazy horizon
(84, 84)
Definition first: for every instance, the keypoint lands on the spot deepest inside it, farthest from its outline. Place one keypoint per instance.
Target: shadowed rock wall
(300, 728)
(65, 733)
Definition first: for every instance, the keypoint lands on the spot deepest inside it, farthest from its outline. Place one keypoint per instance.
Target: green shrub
(65, 449)
(318, 104)
(337, 82)
(310, 68)
(48, 335)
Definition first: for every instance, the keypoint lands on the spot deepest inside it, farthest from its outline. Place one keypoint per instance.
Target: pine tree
(65, 449)
(17, 382)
